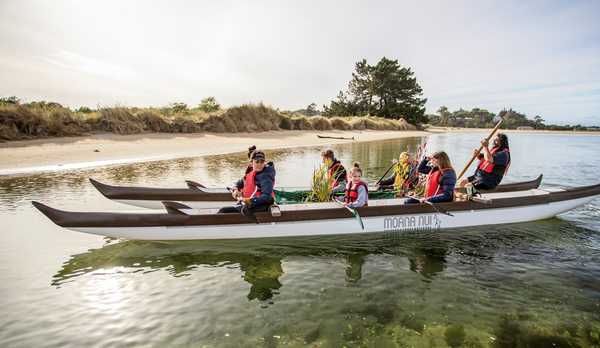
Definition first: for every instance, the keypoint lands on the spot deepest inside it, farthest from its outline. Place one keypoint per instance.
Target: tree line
(482, 118)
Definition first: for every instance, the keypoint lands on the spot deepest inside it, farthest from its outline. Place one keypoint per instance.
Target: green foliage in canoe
(295, 197)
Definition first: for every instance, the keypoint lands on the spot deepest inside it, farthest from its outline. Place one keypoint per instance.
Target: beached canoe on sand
(200, 197)
(388, 215)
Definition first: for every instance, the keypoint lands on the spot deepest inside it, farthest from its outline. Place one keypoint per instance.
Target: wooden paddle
(480, 148)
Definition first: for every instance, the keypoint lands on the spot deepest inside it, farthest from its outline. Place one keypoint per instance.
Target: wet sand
(66, 153)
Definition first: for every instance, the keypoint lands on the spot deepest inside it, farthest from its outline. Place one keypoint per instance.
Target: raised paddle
(354, 213)
(386, 173)
(480, 148)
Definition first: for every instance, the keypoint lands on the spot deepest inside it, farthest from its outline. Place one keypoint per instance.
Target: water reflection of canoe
(200, 197)
(260, 262)
(326, 218)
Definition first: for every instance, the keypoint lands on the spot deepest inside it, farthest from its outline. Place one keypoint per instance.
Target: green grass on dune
(18, 122)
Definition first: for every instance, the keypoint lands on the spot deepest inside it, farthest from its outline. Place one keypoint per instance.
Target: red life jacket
(352, 193)
(433, 182)
(250, 190)
(332, 172)
(490, 167)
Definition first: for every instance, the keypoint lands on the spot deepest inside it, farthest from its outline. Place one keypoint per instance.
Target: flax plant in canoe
(321, 186)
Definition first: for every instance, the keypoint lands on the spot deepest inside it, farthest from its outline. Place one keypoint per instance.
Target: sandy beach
(18, 157)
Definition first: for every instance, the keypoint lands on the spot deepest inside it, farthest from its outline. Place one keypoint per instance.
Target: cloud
(88, 65)
(538, 57)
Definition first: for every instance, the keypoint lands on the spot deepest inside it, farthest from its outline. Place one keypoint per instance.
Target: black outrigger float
(200, 197)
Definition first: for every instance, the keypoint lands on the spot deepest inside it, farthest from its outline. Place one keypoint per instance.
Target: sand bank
(17, 157)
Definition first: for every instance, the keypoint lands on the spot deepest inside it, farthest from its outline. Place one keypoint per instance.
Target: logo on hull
(412, 223)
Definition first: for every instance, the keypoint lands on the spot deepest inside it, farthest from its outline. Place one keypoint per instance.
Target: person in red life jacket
(257, 187)
(441, 179)
(493, 164)
(357, 191)
(335, 170)
(237, 190)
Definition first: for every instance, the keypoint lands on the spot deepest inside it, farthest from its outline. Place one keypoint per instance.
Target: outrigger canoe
(200, 197)
(387, 215)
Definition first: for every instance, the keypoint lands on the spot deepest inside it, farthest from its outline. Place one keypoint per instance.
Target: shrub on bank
(21, 122)
(117, 120)
(340, 123)
(320, 123)
(154, 122)
(182, 124)
(42, 119)
(301, 123)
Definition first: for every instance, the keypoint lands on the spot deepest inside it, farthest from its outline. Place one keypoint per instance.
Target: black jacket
(265, 180)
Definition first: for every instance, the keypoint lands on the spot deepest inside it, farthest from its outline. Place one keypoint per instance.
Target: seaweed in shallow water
(513, 333)
(455, 335)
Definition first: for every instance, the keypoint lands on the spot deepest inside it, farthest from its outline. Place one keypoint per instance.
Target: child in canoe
(357, 191)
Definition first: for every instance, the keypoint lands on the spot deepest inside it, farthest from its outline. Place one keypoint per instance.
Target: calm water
(521, 285)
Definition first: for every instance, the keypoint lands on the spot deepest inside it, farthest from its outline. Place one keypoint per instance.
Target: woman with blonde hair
(441, 179)
(403, 167)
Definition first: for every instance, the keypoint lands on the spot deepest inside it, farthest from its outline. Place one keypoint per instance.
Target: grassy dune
(19, 122)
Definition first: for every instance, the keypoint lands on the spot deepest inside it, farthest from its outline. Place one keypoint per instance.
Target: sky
(537, 57)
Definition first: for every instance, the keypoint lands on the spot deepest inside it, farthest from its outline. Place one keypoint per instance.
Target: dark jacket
(447, 182)
(340, 174)
(389, 181)
(265, 180)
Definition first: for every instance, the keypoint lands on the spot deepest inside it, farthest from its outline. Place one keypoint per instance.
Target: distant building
(525, 128)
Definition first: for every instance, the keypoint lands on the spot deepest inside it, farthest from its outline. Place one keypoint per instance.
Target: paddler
(403, 167)
(357, 191)
(237, 191)
(335, 171)
(493, 164)
(256, 187)
(441, 179)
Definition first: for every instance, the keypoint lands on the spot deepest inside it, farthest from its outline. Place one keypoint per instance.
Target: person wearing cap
(256, 187)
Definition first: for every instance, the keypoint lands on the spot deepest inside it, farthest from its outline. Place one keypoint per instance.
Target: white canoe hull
(394, 223)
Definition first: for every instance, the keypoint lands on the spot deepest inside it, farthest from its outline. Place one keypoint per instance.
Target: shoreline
(437, 130)
(104, 149)
(23, 157)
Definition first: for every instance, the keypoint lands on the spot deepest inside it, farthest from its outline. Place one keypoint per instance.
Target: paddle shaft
(432, 205)
(386, 173)
(480, 148)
